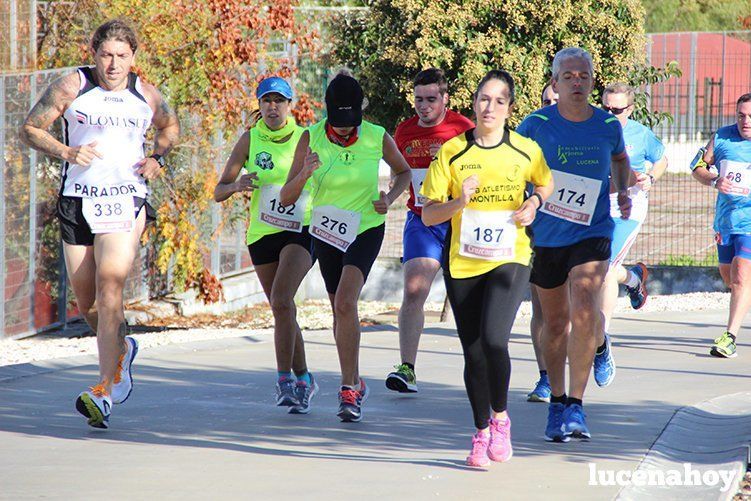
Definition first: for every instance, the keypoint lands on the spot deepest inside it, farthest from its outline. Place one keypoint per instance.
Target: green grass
(686, 260)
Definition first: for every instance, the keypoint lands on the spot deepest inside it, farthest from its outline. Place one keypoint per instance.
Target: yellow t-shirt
(503, 171)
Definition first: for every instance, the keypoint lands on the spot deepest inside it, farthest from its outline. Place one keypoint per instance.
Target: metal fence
(716, 70)
(18, 34)
(34, 293)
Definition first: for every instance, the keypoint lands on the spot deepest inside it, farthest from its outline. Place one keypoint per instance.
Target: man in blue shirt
(642, 146)
(582, 145)
(729, 150)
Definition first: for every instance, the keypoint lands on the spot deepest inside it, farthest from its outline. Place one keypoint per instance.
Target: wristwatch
(159, 159)
(713, 183)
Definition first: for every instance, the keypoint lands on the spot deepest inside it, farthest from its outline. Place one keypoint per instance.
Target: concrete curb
(385, 283)
(713, 435)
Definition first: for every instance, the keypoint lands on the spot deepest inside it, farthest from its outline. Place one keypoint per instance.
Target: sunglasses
(615, 111)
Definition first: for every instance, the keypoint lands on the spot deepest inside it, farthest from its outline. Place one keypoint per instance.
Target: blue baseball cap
(274, 84)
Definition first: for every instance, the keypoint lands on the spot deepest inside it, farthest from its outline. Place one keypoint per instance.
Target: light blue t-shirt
(733, 212)
(641, 145)
(582, 151)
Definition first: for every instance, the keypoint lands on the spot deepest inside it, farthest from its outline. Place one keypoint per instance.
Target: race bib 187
(488, 235)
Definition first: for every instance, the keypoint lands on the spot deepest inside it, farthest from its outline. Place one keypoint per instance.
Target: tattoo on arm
(168, 128)
(48, 109)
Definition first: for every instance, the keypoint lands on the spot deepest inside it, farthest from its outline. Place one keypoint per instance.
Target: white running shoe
(95, 405)
(123, 383)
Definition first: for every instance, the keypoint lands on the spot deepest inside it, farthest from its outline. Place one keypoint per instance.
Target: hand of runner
(149, 168)
(725, 186)
(246, 184)
(526, 213)
(624, 204)
(643, 181)
(83, 155)
(469, 187)
(310, 165)
(382, 204)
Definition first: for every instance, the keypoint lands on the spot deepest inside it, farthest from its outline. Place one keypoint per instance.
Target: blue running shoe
(575, 422)
(604, 366)
(541, 393)
(638, 294)
(554, 429)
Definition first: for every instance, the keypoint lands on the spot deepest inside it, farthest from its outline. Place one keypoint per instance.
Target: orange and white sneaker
(95, 405)
(123, 384)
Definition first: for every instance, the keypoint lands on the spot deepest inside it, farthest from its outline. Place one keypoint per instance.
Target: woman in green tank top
(278, 238)
(338, 159)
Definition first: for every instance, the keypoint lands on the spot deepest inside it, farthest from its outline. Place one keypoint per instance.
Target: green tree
(696, 15)
(389, 44)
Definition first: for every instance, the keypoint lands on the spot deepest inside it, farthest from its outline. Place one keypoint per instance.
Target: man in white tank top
(102, 208)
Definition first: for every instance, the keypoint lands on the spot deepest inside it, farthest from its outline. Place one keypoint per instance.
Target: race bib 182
(290, 217)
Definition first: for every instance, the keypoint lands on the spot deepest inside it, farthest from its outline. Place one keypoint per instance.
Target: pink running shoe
(500, 440)
(478, 457)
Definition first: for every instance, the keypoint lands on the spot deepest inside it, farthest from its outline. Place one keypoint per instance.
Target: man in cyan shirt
(582, 145)
(644, 150)
(419, 139)
(729, 150)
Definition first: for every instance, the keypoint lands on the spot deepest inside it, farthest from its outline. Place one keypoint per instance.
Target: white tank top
(117, 121)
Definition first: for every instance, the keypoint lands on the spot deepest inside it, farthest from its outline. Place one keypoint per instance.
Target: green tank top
(348, 177)
(271, 161)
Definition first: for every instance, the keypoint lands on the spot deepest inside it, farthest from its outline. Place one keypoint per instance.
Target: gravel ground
(744, 493)
(312, 315)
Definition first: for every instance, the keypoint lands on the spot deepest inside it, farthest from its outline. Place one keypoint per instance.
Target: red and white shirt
(419, 144)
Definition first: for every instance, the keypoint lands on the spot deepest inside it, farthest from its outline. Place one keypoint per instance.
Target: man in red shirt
(419, 138)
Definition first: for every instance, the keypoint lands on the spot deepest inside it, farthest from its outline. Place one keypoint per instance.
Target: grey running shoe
(285, 392)
(305, 393)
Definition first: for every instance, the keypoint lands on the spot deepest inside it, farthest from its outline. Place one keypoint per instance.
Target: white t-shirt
(117, 121)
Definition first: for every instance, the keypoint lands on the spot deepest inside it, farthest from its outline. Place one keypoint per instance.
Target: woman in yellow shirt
(478, 181)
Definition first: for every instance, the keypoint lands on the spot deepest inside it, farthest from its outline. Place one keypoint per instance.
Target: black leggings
(484, 308)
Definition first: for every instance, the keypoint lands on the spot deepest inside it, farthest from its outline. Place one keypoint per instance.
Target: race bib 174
(574, 198)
